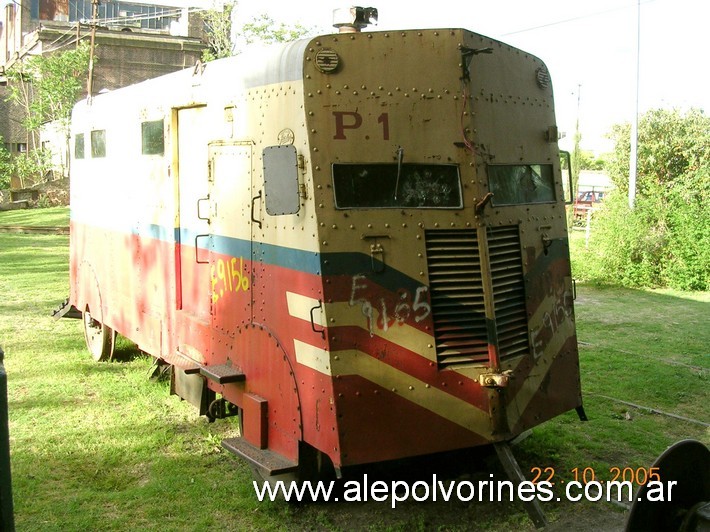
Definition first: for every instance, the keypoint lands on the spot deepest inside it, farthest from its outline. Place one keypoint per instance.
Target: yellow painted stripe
(353, 362)
(402, 334)
(533, 381)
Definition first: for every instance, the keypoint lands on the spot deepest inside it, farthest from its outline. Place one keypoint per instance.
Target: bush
(33, 167)
(664, 241)
(5, 168)
(687, 265)
(659, 243)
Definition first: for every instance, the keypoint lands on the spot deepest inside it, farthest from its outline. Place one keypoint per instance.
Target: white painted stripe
(354, 362)
(456, 410)
(399, 333)
(312, 356)
(300, 306)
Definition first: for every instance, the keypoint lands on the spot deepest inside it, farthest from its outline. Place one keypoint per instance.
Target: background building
(134, 42)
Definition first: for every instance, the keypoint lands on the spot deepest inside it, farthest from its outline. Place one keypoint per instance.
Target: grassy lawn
(53, 216)
(104, 447)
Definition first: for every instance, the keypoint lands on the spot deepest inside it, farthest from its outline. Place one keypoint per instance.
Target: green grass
(52, 216)
(103, 447)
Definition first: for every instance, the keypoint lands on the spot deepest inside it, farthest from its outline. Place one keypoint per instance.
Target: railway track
(35, 229)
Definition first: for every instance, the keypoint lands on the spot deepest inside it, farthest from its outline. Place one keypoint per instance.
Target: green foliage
(47, 86)
(588, 161)
(32, 167)
(264, 29)
(5, 167)
(218, 25)
(664, 241)
(672, 148)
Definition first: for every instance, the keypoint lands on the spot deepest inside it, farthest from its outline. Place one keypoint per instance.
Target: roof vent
(354, 19)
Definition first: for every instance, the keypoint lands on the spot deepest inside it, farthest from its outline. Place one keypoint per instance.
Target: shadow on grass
(127, 352)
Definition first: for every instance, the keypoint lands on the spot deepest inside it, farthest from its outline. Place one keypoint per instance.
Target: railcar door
(193, 220)
(230, 239)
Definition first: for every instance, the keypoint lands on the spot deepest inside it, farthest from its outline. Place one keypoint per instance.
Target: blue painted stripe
(290, 258)
(311, 262)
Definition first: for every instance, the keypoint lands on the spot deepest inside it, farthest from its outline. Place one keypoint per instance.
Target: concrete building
(134, 42)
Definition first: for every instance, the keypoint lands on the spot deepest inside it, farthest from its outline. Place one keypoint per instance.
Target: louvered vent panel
(457, 296)
(508, 291)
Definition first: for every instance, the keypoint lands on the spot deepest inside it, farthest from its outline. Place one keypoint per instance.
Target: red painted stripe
(451, 382)
(376, 425)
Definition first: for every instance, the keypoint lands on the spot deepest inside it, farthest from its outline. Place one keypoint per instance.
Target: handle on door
(197, 250)
(253, 202)
(206, 218)
(313, 321)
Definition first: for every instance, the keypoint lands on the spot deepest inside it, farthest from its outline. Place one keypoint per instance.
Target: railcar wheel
(100, 338)
(685, 507)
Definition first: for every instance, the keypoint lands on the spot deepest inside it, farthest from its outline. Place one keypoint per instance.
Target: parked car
(586, 200)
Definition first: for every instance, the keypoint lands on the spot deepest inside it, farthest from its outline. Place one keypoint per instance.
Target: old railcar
(357, 242)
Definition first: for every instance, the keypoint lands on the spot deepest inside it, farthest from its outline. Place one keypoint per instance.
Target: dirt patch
(54, 193)
(453, 514)
(49, 194)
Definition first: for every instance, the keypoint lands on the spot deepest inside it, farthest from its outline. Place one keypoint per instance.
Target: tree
(5, 167)
(218, 25)
(665, 239)
(264, 29)
(588, 161)
(220, 37)
(46, 88)
(673, 147)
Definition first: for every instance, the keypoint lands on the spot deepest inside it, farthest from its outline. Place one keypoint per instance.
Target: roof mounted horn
(354, 19)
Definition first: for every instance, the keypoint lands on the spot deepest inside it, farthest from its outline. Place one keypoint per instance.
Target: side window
(152, 138)
(79, 146)
(281, 180)
(520, 184)
(98, 143)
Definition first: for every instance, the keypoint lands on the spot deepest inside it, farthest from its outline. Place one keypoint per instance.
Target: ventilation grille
(457, 295)
(508, 291)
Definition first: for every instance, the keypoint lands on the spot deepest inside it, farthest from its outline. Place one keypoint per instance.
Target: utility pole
(90, 80)
(633, 157)
(577, 149)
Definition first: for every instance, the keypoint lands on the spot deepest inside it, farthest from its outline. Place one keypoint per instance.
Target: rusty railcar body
(357, 242)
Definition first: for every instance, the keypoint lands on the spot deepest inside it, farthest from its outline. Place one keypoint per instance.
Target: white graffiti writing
(553, 319)
(389, 312)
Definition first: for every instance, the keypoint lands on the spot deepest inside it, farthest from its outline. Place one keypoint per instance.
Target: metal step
(223, 373)
(66, 310)
(270, 462)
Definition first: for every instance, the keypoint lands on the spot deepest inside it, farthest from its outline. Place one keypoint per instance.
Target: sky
(588, 46)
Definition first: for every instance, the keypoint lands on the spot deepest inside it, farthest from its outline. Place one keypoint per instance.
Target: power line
(574, 19)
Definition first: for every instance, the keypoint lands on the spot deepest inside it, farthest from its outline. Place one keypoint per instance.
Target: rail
(35, 229)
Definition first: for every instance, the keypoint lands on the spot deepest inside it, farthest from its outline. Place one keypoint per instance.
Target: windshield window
(383, 185)
(514, 184)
